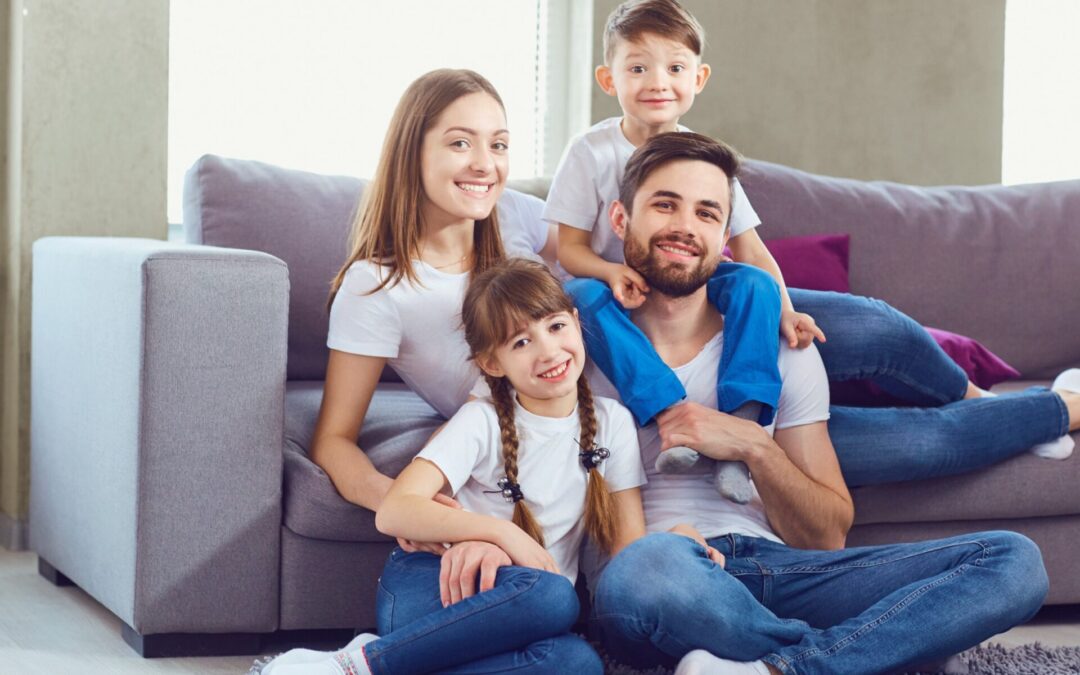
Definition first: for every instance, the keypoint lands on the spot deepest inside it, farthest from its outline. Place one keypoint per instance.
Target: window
(1041, 137)
(312, 84)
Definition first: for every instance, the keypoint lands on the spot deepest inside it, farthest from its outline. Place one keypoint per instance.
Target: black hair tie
(590, 459)
(511, 491)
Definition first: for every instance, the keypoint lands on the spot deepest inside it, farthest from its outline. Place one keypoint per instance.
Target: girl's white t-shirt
(416, 327)
(468, 451)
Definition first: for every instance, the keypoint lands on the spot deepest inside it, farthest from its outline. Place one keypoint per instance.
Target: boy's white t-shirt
(417, 328)
(692, 498)
(587, 182)
(468, 451)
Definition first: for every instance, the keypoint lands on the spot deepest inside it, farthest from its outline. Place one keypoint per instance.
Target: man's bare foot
(974, 391)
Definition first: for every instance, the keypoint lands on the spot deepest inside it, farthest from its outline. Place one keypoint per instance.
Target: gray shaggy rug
(1031, 659)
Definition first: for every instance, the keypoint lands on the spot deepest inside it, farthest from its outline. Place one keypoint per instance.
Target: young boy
(652, 63)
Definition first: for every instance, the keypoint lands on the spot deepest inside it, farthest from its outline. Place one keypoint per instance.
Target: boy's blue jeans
(860, 610)
(521, 625)
(748, 298)
(866, 339)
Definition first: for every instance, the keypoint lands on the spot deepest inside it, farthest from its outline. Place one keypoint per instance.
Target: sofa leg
(192, 644)
(55, 576)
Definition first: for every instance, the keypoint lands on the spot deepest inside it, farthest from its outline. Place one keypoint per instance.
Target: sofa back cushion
(304, 219)
(995, 263)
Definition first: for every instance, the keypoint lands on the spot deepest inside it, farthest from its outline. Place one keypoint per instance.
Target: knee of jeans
(644, 576)
(588, 294)
(549, 598)
(1024, 583)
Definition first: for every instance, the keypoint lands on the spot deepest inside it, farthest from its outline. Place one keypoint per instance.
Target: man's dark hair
(675, 146)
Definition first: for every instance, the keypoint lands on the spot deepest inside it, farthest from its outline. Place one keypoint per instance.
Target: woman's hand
(438, 548)
(525, 551)
(691, 531)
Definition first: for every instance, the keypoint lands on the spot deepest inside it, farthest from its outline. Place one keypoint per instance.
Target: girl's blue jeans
(865, 339)
(521, 625)
(860, 610)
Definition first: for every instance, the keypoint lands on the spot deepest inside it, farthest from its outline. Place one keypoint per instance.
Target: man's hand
(710, 432)
(438, 548)
(628, 287)
(799, 329)
(687, 530)
(460, 564)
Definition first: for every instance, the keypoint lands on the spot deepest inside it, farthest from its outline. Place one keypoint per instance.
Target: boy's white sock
(1061, 448)
(296, 660)
(701, 662)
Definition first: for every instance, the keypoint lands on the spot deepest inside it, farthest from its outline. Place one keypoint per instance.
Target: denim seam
(900, 377)
(875, 563)
(1063, 412)
(895, 609)
(378, 656)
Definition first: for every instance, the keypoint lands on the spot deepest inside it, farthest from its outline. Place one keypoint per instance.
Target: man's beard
(676, 280)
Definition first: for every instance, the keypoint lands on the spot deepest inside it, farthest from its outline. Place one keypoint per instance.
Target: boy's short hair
(666, 18)
(674, 146)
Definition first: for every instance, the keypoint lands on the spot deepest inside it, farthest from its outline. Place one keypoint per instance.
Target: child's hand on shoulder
(627, 285)
(525, 551)
(799, 329)
(690, 531)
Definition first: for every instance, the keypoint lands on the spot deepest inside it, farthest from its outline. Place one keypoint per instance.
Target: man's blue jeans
(521, 625)
(866, 339)
(860, 610)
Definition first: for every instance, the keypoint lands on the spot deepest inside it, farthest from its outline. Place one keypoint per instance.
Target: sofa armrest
(157, 375)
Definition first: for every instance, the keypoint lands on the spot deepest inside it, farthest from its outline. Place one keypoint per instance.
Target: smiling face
(655, 79)
(464, 161)
(543, 360)
(677, 229)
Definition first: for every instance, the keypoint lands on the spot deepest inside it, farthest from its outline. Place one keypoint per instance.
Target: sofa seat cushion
(1025, 486)
(398, 424)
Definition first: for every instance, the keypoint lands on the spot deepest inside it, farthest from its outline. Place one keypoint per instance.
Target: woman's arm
(408, 511)
(350, 384)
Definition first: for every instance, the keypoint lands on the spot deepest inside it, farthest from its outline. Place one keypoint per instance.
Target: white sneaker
(305, 657)
(701, 662)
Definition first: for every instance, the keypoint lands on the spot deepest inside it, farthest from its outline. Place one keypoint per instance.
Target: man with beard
(784, 597)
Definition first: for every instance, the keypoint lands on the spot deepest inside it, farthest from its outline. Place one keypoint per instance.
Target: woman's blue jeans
(866, 339)
(521, 625)
(860, 610)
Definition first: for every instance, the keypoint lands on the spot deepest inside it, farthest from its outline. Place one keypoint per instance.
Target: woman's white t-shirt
(468, 451)
(416, 327)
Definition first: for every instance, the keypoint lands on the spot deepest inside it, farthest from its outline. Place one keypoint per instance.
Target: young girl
(536, 466)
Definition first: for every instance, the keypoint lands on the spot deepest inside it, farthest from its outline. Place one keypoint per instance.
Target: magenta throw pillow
(816, 263)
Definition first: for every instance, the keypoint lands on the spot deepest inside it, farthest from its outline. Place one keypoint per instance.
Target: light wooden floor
(55, 631)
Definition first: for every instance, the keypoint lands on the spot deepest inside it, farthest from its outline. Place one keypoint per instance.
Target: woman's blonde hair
(388, 221)
(497, 303)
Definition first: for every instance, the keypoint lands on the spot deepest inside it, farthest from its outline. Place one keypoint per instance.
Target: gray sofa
(175, 388)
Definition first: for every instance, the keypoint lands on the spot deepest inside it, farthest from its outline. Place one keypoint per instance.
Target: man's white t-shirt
(692, 498)
(417, 328)
(468, 451)
(587, 182)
